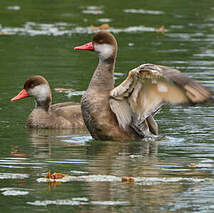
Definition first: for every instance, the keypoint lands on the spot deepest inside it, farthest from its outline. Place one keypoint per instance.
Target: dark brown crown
(103, 37)
(35, 81)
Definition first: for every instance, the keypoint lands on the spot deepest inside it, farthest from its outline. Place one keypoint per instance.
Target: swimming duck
(45, 115)
(126, 112)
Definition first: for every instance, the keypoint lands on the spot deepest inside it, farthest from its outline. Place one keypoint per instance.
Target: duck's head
(37, 87)
(103, 43)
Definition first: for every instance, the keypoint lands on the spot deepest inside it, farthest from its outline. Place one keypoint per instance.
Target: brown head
(37, 87)
(104, 43)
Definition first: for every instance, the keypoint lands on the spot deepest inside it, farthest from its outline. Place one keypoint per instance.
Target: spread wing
(148, 87)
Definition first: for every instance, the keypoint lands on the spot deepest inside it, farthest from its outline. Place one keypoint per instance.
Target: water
(173, 175)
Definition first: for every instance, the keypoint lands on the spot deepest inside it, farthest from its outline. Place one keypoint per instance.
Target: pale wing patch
(171, 93)
(148, 87)
(119, 103)
(162, 87)
(144, 99)
(150, 96)
(134, 99)
(122, 111)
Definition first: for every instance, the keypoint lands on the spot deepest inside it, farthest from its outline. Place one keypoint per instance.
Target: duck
(125, 112)
(45, 114)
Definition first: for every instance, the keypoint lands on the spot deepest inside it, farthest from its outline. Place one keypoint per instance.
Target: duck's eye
(100, 42)
(32, 85)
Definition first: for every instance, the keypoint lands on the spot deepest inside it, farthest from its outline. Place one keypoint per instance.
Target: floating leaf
(101, 27)
(127, 179)
(160, 29)
(192, 165)
(55, 175)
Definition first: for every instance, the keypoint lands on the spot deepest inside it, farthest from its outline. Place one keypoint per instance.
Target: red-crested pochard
(45, 115)
(125, 112)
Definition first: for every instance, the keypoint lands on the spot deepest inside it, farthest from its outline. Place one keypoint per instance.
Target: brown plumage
(126, 112)
(45, 115)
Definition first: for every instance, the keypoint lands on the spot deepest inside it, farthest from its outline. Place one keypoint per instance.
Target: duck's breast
(99, 118)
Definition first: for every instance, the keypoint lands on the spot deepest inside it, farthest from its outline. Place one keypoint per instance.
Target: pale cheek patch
(105, 50)
(41, 92)
(162, 87)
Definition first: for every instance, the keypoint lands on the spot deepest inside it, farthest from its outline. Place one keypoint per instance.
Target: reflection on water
(162, 172)
(42, 139)
(172, 175)
(159, 176)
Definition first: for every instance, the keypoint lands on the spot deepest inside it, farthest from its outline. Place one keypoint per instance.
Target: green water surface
(37, 37)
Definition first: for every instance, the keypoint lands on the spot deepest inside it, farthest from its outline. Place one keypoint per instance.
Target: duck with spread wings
(126, 112)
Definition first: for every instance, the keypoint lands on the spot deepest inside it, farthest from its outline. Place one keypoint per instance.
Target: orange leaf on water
(160, 29)
(101, 27)
(127, 179)
(63, 89)
(55, 175)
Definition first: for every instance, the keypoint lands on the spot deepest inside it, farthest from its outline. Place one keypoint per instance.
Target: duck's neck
(43, 103)
(103, 77)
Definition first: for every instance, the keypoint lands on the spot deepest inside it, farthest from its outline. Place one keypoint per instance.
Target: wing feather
(148, 87)
(122, 111)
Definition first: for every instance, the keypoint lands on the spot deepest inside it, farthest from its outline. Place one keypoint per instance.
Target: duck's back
(59, 116)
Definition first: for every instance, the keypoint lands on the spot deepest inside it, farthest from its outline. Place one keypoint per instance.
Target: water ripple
(59, 29)
(65, 161)
(19, 163)
(142, 11)
(75, 202)
(13, 176)
(94, 10)
(14, 193)
(110, 178)
(16, 7)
